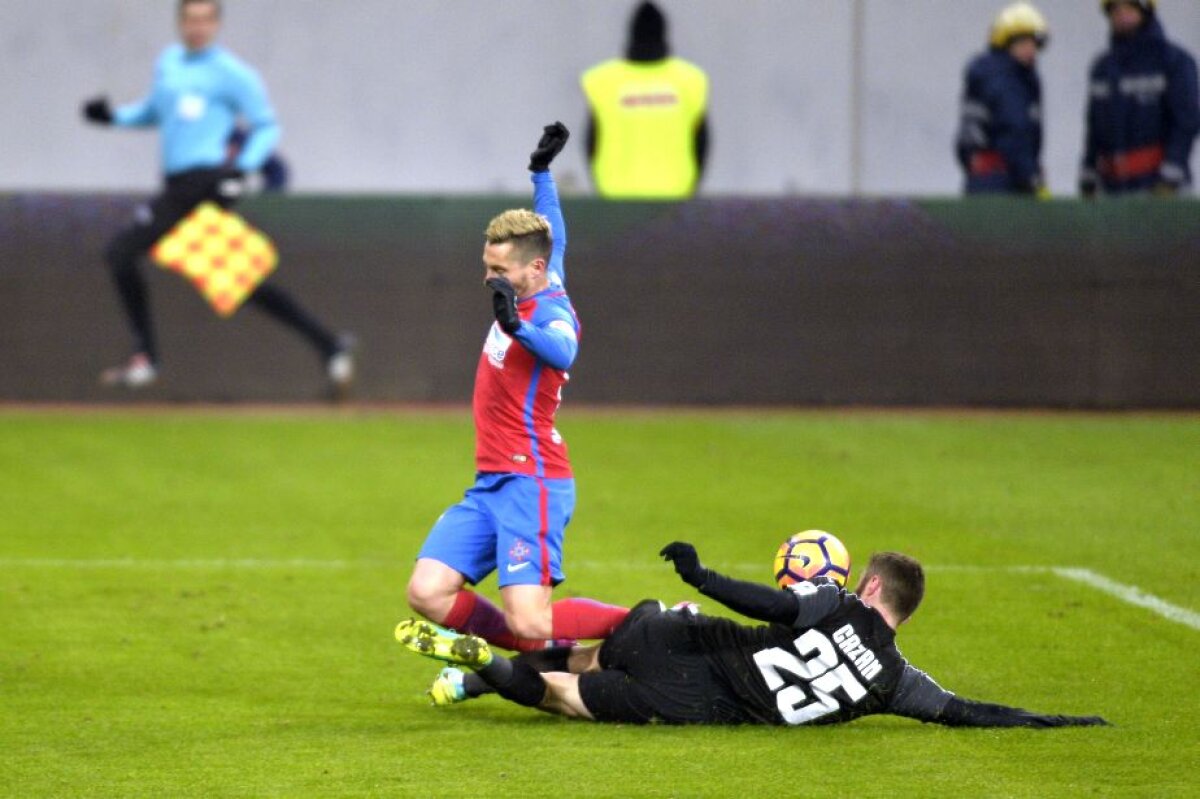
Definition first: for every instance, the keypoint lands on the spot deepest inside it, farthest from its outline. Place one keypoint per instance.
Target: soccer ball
(810, 554)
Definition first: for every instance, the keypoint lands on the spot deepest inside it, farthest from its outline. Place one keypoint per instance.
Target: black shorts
(654, 669)
(182, 192)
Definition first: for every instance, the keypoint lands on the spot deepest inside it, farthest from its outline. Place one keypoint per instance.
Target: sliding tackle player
(825, 655)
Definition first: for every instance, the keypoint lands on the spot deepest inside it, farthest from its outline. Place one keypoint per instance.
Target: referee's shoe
(432, 641)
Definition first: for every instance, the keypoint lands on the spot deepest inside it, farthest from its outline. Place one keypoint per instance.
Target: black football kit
(823, 657)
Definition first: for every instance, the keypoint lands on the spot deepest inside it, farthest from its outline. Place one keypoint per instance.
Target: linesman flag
(220, 253)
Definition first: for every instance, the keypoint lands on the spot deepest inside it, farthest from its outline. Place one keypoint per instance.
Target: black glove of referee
(504, 304)
(686, 561)
(554, 138)
(98, 111)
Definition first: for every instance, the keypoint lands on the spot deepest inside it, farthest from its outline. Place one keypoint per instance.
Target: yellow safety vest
(646, 118)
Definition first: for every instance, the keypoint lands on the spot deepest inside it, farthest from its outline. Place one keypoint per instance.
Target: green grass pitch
(201, 604)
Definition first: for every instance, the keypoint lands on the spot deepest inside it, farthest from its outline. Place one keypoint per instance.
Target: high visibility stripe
(1131, 163)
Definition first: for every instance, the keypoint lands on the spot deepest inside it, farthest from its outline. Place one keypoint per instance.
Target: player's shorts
(510, 523)
(654, 669)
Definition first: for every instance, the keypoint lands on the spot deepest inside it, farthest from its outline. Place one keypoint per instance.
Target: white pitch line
(181, 563)
(1129, 594)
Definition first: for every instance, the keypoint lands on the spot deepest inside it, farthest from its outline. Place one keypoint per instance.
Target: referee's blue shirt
(196, 100)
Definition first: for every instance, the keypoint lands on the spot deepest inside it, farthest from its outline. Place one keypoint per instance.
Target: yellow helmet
(1019, 19)
(1147, 6)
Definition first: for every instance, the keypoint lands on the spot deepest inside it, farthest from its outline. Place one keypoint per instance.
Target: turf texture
(201, 604)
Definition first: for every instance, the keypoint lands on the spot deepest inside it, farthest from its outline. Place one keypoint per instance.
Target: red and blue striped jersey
(520, 378)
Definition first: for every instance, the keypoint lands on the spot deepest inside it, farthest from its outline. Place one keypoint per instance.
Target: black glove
(554, 138)
(504, 304)
(1088, 188)
(97, 110)
(229, 186)
(686, 561)
(969, 713)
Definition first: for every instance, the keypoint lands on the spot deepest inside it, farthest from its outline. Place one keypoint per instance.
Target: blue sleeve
(1016, 133)
(554, 342)
(136, 115)
(1183, 112)
(250, 100)
(545, 202)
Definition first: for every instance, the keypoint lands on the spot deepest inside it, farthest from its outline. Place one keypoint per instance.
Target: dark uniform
(836, 661)
(682, 668)
(999, 142)
(1143, 114)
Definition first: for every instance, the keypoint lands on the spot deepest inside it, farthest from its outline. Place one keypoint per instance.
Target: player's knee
(530, 624)
(428, 598)
(562, 696)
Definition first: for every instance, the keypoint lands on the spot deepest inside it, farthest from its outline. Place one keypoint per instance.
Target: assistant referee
(199, 94)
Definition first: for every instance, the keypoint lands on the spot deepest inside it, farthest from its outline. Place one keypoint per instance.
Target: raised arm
(801, 605)
(919, 697)
(545, 196)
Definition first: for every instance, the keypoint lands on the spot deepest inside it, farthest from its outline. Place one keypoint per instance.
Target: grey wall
(809, 96)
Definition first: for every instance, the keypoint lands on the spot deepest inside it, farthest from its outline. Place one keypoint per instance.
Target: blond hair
(529, 232)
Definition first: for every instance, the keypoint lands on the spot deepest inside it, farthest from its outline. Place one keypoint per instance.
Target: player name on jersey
(863, 659)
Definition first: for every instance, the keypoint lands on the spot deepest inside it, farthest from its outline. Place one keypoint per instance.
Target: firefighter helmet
(1018, 19)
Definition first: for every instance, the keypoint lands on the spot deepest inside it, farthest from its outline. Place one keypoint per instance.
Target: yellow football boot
(432, 641)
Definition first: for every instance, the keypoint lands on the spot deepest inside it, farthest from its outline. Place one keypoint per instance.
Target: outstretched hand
(554, 138)
(504, 304)
(98, 111)
(686, 561)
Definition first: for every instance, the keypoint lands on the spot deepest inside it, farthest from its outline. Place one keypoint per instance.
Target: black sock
(474, 685)
(277, 303)
(515, 681)
(553, 658)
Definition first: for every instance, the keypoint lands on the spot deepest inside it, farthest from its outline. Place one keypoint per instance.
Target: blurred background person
(200, 93)
(1000, 129)
(647, 131)
(1143, 108)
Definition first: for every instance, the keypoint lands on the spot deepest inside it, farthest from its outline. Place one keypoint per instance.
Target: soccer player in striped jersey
(512, 519)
